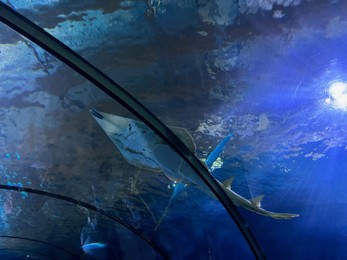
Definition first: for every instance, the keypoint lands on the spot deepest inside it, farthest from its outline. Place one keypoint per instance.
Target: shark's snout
(96, 114)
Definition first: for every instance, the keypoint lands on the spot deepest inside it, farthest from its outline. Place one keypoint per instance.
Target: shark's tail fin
(282, 215)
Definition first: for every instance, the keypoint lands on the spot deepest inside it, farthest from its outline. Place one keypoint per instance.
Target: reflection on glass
(273, 72)
(54, 227)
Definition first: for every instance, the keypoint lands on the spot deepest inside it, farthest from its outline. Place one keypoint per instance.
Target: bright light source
(337, 89)
(338, 95)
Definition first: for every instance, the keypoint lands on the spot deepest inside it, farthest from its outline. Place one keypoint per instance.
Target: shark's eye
(130, 127)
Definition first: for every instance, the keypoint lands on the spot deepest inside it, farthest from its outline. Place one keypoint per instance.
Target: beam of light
(338, 95)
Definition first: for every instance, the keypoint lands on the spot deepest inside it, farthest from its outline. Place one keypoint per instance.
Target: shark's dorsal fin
(185, 137)
(227, 183)
(256, 201)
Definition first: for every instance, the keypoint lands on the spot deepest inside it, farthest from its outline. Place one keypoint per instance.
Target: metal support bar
(92, 208)
(27, 239)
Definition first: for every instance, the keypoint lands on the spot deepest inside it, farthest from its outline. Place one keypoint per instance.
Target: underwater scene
(173, 129)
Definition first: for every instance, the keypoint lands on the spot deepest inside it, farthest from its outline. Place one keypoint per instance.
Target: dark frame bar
(39, 242)
(92, 208)
(52, 45)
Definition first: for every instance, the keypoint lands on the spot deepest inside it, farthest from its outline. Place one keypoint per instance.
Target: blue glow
(24, 194)
(338, 95)
(91, 246)
(177, 188)
(217, 151)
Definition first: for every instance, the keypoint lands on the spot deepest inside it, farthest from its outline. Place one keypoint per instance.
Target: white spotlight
(338, 94)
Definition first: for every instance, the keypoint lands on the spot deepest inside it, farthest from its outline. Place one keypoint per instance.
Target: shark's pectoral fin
(227, 183)
(256, 201)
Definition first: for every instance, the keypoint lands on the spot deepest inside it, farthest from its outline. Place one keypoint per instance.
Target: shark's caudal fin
(252, 204)
(212, 157)
(282, 215)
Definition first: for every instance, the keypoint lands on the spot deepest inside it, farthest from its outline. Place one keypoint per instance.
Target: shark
(142, 147)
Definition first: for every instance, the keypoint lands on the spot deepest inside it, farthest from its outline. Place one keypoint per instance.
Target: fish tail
(282, 215)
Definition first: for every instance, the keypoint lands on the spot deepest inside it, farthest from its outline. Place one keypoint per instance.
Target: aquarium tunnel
(173, 129)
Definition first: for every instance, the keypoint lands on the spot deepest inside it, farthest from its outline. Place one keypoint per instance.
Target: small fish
(38, 166)
(95, 249)
(88, 244)
(212, 157)
(202, 33)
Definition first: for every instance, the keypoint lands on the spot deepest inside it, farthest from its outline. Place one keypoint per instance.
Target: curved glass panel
(41, 227)
(52, 142)
(271, 71)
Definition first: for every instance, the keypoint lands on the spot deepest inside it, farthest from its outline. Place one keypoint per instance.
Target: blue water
(207, 66)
